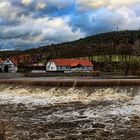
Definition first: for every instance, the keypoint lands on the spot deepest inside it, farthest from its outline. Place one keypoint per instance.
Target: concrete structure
(69, 65)
(8, 65)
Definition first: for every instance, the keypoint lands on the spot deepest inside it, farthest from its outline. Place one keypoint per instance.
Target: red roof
(75, 64)
(1, 60)
(14, 60)
(72, 62)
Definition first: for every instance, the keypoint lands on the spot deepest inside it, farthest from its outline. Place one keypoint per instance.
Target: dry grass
(95, 73)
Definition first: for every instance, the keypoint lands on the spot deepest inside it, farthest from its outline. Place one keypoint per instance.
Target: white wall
(11, 66)
(51, 66)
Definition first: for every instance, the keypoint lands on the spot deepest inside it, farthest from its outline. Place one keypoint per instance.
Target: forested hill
(105, 43)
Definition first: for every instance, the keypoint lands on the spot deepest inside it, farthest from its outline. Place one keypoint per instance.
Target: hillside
(112, 43)
(105, 43)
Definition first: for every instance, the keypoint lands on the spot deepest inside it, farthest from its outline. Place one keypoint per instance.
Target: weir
(65, 113)
(50, 82)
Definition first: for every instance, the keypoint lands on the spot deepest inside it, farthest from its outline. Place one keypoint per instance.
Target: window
(59, 67)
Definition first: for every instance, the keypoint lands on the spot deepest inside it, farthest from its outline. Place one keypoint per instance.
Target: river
(43, 113)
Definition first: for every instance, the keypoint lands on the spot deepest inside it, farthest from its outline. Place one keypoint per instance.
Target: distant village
(24, 63)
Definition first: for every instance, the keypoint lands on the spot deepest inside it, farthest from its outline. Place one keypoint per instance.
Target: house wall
(51, 66)
(0, 68)
(88, 68)
(82, 68)
(63, 68)
(16, 69)
(11, 66)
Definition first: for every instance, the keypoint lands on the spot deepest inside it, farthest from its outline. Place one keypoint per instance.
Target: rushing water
(32, 113)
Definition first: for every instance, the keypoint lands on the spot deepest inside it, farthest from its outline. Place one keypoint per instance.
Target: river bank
(70, 82)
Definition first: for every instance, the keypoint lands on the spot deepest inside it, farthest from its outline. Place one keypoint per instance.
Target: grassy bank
(11, 75)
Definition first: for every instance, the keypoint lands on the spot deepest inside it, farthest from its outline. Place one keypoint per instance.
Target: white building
(8, 65)
(69, 65)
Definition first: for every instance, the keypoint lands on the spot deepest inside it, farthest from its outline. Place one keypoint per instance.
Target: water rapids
(33, 113)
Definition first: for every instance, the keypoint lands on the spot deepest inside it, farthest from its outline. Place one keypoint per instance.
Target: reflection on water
(68, 113)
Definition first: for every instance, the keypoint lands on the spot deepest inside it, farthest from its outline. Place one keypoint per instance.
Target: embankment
(62, 82)
(11, 75)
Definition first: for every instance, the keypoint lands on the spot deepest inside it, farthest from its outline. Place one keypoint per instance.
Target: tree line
(126, 44)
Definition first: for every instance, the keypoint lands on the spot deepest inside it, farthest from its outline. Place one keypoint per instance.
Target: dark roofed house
(69, 65)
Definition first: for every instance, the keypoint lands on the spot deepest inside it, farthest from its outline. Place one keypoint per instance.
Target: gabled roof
(75, 64)
(13, 60)
(71, 62)
(1, 60)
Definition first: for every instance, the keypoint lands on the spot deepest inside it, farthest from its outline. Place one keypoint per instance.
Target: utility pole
(117, 28)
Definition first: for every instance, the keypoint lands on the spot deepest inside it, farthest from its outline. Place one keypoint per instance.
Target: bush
(95, 73)
(131, 67)
(126, 67)
(134, 67)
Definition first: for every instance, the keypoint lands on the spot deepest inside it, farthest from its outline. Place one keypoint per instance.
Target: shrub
(95, 73)
(130, 67)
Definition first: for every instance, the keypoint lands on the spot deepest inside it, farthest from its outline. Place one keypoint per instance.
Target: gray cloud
(19, 32)
(30, 23)
(22, 28)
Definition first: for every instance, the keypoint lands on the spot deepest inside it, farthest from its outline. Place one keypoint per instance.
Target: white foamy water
(124, 101)
(57, 112)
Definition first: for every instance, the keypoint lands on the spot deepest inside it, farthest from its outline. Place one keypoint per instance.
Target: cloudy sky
(30, 23)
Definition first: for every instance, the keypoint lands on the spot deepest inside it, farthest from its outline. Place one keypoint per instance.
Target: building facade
(69, 65)
(8, 66)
